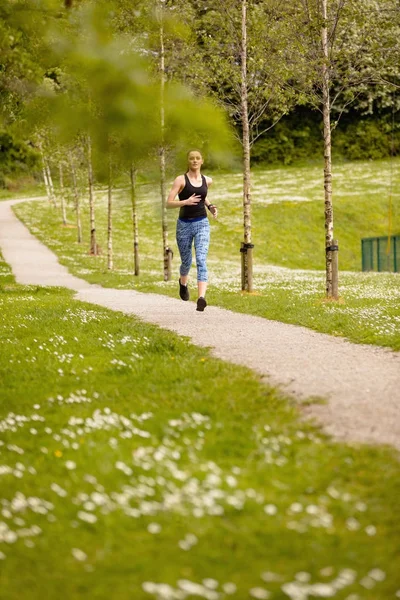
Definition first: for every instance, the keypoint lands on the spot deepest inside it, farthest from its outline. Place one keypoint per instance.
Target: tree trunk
(247, 246)
(135, 220)
(109, 223)
(51, 186)
(44, 171)
(93, 244)
(329, 246)
(62, 197)
(166, 250)
(76, 197)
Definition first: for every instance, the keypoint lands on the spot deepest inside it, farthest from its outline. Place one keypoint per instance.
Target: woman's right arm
(177, 187)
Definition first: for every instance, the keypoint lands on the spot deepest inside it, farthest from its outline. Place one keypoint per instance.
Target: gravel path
(360, 382)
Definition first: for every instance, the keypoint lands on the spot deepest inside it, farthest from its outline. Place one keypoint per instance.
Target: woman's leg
(201, 289)
(184, 239)
(201, 245)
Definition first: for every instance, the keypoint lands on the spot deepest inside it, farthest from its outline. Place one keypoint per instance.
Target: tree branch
(255, 138)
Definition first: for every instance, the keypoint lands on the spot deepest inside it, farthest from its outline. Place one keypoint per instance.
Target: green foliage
(363, 41)
(367, 139)
(24, 51)
(269, 37)
(298, 138)
(105, 82)
(16, 157)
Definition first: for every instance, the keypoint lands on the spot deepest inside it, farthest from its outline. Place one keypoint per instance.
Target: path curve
(360, 382)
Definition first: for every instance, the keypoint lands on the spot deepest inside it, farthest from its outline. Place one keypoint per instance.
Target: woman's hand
(214, 211)
(192, 201)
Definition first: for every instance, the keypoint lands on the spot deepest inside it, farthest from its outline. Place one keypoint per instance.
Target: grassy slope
(330, 507)
(285, 233)
(32, 190)
(292, 233)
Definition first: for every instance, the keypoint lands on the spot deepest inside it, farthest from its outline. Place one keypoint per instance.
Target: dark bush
(17, 158)
(366, 139)
(298, 137)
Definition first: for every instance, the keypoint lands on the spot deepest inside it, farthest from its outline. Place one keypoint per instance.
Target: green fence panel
(381, 254)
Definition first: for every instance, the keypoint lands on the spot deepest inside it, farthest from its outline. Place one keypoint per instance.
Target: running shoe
(201, 304)
(183, 291)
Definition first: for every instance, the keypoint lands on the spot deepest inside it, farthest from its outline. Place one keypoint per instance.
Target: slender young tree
(111, 87)
(330, 248)
(164, 222)
(110, 263)
(340, 60)
(76, 196)
(45, 174)
(247, 246)
(242, 45)
(62, 191)
(50, 182)
(42, 143)
(162, 28)
(92, 216)
(132, 174)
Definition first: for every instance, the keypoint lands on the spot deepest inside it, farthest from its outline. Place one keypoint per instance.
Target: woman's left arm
(211, 207)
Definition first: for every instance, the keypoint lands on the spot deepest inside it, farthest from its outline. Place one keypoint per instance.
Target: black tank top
(197, 210)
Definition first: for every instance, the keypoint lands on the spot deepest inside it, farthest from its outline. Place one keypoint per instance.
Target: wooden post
(168, 255)
(246, 251)
(243, 263)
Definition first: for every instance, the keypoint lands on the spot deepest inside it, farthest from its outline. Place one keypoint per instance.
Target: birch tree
(160, 29)
(247, 246)
(132, 174)
(42, 142)
(170, 16)
(110, 263)
(164, 222)
(242, 43)
(342, 53)
(76, 196)
(107, 83)
(44, 172)
(92, 215)
(62, 191)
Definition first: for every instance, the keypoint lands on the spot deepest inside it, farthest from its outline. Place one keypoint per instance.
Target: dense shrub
(366, 139)
(295, 138)
(16, 158)
(298, 137)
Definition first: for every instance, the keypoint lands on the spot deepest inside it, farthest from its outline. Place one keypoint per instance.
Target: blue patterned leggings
(186, 233)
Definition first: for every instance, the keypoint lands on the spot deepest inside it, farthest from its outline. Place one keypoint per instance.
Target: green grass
(290, 233)
(287, 234)
(119, 440)
(22, 191)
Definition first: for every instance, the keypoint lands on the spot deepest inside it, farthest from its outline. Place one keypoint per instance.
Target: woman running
(192, 225)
